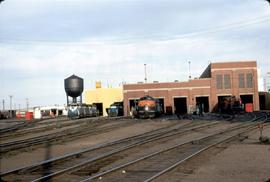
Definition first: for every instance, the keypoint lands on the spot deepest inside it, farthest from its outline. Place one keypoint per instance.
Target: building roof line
(229, 62)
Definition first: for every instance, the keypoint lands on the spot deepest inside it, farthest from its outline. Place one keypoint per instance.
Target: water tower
(74, 89)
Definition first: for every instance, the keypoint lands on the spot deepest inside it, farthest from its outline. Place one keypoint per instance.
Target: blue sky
(44, 41)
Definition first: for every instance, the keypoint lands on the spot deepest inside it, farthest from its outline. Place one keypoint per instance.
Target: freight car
(147, 107)
(81, 111)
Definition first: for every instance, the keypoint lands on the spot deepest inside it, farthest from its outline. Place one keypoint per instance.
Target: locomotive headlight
(146, 107)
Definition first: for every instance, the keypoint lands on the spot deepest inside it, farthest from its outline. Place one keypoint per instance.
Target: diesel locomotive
(76, 111)
(147, 107)
(115, 109)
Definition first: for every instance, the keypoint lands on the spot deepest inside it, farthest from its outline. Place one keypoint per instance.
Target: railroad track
(14, 127)
(66, 135)
(159, 163)
(34, 129)
(89, 162)
(46, 121)
(29, 124)
(52, 124)
(227, 117)
(90, 155)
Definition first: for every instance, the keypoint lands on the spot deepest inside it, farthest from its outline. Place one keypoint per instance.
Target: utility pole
(3, 104)
(10, 105)
(145, 78)
(27, 104)
(189, 70)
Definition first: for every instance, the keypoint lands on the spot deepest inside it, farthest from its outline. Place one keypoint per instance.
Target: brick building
(217, 81)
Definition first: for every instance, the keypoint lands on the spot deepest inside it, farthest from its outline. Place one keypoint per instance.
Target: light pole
(189, 70)
(145, 78)
(10, 105)
(3, 104)
(27, 104)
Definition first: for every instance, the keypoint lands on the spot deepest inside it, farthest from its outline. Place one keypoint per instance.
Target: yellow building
(103, 97)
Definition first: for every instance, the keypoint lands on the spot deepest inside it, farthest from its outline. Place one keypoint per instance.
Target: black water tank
(74, 86)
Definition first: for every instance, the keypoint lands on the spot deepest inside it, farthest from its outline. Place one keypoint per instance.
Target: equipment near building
(230, 105)
(74, 89)
(115, 109)
(4, 114)
(147, 107)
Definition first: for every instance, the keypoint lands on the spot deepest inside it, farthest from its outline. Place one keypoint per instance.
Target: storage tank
(74, 87)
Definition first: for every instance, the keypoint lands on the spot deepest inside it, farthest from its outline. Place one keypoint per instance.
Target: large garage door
(161, 102)
(180, 105)
(132, 103)
(99, 108)
(204, 102)
(246, 99)
(262, 102)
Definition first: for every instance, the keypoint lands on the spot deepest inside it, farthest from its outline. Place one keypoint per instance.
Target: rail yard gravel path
(40, 154)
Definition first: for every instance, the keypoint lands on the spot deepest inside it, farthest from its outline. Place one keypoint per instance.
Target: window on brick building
(241, 80)
(227, 81)
(219, 81)
(249, 80)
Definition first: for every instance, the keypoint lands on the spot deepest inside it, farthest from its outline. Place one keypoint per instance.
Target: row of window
(244, 81)
(249, 80)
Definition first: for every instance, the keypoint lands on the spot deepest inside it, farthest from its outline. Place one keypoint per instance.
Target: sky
(42, 42)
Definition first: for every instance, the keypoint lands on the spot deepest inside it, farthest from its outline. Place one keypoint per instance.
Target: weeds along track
(74, 161)
(91, 128)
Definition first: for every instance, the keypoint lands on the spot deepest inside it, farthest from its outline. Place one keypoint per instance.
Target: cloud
(77, 20)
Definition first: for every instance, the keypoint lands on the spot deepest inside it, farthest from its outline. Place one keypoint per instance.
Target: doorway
(99, 108)
(180, 105)
(204, 101)
(161, 102)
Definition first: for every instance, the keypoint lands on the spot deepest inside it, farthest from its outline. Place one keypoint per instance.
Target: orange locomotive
(148, 107)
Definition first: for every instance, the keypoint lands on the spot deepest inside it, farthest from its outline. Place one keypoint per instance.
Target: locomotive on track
(147, 107)
(82, 111)
(115, 109)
